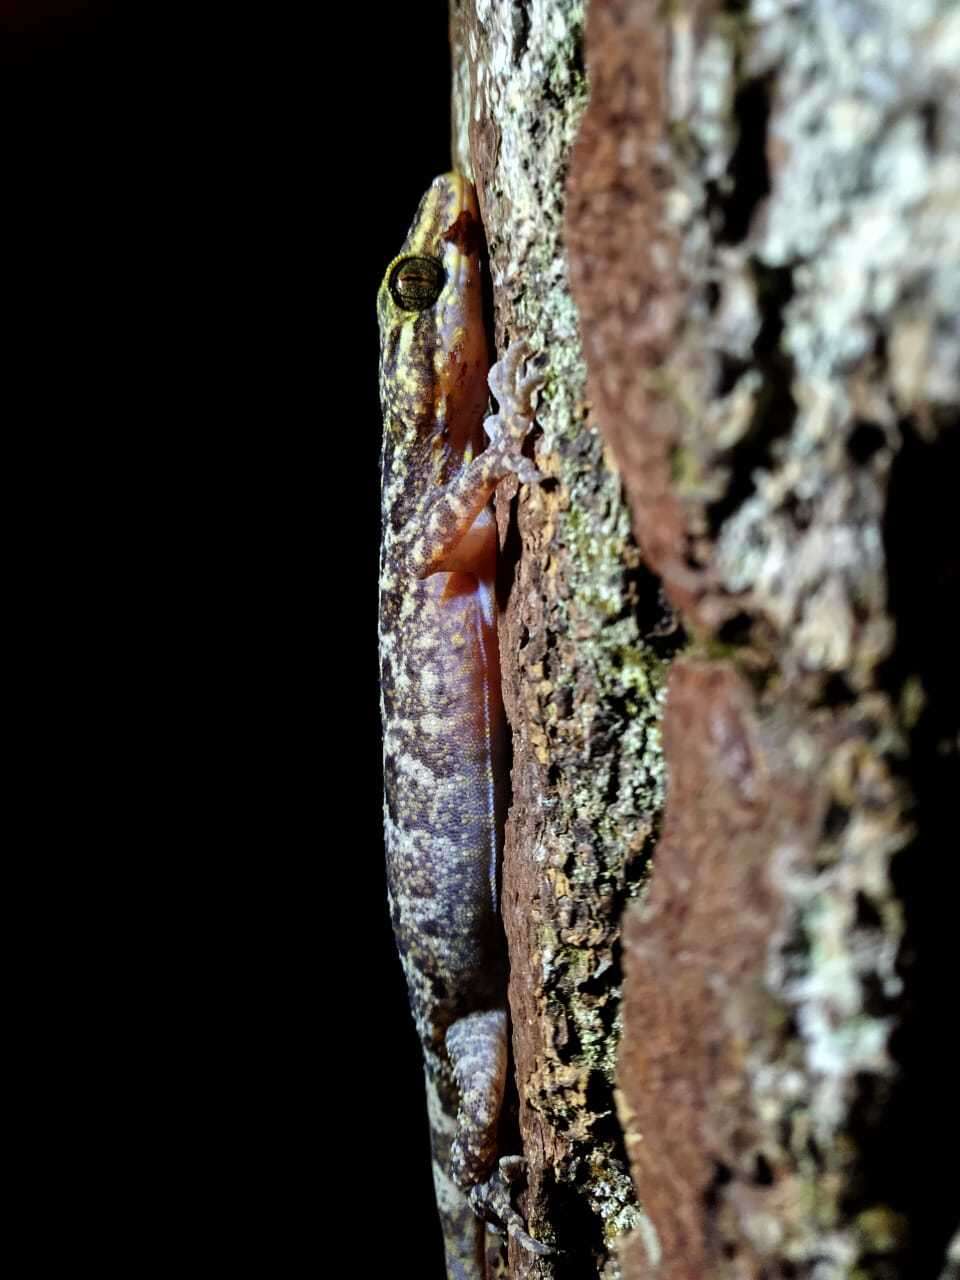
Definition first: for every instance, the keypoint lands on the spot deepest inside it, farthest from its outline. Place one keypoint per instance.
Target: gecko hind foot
(491, 1201)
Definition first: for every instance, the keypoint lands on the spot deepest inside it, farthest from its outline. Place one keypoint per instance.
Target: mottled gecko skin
(443, 721)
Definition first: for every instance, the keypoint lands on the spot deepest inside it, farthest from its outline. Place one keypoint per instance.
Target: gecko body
(443, 720)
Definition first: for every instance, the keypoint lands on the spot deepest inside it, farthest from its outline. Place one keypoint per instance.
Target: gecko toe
(527, 473)
(491, 1201)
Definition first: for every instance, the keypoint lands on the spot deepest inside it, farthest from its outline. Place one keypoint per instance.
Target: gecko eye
(415, 283)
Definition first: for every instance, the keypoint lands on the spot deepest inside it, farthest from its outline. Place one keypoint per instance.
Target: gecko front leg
(447, 540)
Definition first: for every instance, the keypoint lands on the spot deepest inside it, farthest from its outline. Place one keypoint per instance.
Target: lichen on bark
(763, 244)
(584, 637)
(733, 232)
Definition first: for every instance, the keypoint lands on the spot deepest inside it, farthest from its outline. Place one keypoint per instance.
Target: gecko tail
(464, 1235)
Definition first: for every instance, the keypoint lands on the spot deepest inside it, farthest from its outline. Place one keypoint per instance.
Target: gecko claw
(529, 385)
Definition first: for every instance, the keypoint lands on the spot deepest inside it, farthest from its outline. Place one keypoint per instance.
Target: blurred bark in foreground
(733, 231)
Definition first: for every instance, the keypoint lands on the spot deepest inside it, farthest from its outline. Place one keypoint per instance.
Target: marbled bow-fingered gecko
(443, 721)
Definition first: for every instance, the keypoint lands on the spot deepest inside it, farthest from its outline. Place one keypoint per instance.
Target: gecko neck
(414, 463)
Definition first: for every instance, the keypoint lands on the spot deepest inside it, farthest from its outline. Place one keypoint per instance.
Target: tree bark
(733, 232)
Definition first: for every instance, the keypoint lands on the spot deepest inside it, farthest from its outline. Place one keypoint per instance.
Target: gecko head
(434, 355)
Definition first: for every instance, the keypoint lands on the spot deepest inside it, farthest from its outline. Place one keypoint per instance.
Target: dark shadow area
(203, 215)
(746, 184)
(775, 409)
(908, 1162)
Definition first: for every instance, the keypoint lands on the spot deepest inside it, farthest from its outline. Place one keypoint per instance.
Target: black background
(203, 205)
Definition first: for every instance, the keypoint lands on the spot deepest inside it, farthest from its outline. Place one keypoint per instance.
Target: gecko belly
(443, 749)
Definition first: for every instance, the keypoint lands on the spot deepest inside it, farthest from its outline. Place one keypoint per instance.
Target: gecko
(440, 693)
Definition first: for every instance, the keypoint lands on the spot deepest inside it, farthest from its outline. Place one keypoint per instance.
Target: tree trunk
(733, 231)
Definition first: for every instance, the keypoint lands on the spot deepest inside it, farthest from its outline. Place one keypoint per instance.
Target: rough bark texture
(758, 213)
(583, 683)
